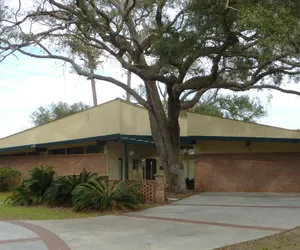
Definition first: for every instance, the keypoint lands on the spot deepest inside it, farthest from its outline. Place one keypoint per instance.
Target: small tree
(236, 107)
(189, 46)
(55, 111)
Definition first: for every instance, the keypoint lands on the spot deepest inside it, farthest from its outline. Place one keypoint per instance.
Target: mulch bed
(287, 240)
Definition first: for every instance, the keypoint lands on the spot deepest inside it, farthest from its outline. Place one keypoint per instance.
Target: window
(34, 153)
(135, 164)
(95, 149)
(75, 151)
(120, 170)
(38, 151)
(59, 151)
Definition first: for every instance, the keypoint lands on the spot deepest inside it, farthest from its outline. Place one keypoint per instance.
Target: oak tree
(190, 46)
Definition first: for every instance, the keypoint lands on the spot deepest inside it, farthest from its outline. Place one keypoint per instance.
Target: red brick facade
(63, 164)
(153, 191)
(252, 172)
(159, 189)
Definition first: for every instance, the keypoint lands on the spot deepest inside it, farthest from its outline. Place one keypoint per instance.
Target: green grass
(8, 212)
(3, 196)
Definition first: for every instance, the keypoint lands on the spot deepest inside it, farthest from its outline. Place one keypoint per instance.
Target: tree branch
(237, 87)
(81, 72)
(191, 103)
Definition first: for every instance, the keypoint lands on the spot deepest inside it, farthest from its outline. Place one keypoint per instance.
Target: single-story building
(114, 139)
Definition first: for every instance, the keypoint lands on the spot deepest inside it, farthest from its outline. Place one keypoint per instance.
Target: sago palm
(60, 192)
(32, 189)
(100, 194)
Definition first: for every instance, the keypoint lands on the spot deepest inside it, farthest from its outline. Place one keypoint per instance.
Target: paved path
(200, 222)
(21, 235)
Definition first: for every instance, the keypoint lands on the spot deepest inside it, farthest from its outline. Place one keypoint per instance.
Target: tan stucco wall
(135, 120)
(116, 150)
(207, 147)
(202, 125)
(101, 120)
(189, 167)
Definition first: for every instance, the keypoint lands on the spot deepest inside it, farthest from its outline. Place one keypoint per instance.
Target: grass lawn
(8, 212)
(287, 240)
(3, 196)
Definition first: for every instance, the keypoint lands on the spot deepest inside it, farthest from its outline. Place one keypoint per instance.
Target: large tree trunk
(166, 134)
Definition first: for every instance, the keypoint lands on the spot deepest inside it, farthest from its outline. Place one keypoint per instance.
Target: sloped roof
(119, 119)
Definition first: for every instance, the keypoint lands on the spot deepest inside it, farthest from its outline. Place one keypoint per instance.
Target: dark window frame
(94, 149)
(75, 150)
(57, 151)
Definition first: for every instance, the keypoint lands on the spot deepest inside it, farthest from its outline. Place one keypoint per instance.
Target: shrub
(100, 194)
(60, 192)
(190, 183)
(8, 177)
(22, 196)
(32, 189)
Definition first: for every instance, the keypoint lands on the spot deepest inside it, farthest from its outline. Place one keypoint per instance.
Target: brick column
(159, 189)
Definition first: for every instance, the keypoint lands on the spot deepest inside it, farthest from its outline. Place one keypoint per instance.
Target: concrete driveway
(200, 222)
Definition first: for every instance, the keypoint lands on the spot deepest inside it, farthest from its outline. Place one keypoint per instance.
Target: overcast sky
(27, 83)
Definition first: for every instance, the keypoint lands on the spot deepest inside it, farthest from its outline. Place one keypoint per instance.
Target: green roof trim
(252, 139)
(48, 144)
(148, 139)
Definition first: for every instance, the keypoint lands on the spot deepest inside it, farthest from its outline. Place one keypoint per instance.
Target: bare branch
(238, 87)
(191, 103)
(82, 72)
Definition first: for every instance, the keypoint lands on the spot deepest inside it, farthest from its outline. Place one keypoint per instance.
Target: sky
(27, 83)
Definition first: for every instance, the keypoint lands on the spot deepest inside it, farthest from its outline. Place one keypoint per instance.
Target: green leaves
(237, 107)
(55, 111)
(100, 194)
(277, 23)
(85, 191)
(8, 176)
(60, 192)
(32, 189)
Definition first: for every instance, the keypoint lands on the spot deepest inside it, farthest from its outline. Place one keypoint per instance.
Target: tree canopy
(236, 107)
(55, 111)
(189, 46)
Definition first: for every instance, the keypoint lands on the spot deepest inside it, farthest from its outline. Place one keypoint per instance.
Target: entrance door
(150, 169)
(120, 168)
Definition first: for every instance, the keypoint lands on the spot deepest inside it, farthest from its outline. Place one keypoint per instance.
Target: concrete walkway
(200, 222)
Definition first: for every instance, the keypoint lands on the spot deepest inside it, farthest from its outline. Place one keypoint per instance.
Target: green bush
(100, 194)
(60, 192)
(32, 189)
(8, 177)
(22, 196)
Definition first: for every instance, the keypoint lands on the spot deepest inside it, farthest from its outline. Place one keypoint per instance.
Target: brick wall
(63, 164)
(252, 172)
(153, 191)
